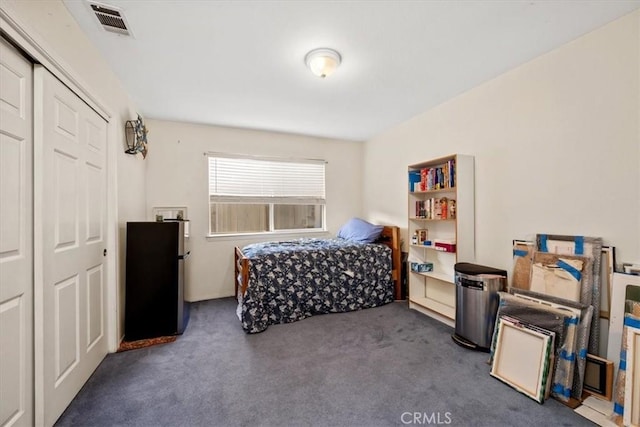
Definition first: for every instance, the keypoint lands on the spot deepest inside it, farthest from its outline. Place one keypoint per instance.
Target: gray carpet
(385, 366)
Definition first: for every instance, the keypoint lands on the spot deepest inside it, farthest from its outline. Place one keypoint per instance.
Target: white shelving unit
(433, 293)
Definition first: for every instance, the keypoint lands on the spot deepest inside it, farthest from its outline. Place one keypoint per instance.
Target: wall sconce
(136, 137)
(322, 62)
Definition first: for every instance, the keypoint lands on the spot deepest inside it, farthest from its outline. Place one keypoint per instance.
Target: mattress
(295, 279)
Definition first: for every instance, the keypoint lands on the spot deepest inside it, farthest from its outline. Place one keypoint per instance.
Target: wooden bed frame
(390, 236)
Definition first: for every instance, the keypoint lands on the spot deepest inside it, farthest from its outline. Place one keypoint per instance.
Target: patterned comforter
(292, 280)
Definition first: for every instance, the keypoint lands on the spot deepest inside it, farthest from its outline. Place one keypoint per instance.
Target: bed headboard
(390, 236)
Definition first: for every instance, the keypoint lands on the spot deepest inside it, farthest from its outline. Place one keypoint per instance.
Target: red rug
(148, 342)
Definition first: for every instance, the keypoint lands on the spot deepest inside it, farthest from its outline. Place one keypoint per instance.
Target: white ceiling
(241, 63)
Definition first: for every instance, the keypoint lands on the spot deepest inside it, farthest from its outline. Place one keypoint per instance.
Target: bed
(281, 282)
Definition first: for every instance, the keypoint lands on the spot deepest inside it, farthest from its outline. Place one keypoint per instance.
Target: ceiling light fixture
(322, 62)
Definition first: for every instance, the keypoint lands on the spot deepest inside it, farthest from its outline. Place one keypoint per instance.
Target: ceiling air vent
(110, 18)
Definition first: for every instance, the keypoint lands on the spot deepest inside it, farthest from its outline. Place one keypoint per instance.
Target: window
(262, 195)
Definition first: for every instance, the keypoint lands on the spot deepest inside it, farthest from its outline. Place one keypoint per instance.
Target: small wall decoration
(136, 136)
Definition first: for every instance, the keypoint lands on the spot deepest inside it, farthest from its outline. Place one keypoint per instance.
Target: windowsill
(267, 235)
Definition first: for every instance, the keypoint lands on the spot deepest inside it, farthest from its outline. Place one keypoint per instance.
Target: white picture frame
(522, 357)
(550, 304)
(631, 414)
(616, 317)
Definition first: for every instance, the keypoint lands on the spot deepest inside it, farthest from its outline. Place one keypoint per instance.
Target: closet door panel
(71, 202)
(16, 238)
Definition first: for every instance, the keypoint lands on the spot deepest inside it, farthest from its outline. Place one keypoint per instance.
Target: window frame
(271, 202)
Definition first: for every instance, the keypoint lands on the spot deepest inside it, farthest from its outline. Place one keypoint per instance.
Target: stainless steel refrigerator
(155, 280)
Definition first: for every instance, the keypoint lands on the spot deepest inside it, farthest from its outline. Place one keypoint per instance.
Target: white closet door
(70, 203)
(16, 238)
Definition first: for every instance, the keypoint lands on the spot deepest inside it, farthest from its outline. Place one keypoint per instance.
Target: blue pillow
(359, 230)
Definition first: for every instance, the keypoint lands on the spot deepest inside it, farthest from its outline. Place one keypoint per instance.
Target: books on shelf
(435, 208)
(414, 181)
(433, 178)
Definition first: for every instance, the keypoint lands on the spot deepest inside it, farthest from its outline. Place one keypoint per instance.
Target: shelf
(441, 190)
(442, 309)
(438, 276)
(414, 218)
(433, 248)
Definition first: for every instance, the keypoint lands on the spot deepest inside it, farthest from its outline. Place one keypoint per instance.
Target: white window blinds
(266, 178)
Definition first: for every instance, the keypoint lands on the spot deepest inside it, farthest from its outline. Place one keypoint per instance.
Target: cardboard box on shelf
(445, 245)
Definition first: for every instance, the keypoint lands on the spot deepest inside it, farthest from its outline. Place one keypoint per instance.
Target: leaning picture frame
(598, 377)
(522, 261)
(631, 415)
(590, 247)
(607, 268)
(517, 345)
(622, 286)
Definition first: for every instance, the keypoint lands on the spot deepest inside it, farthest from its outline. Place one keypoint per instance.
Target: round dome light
(323, 61)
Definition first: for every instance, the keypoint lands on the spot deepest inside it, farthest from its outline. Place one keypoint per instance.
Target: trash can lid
(474, 269)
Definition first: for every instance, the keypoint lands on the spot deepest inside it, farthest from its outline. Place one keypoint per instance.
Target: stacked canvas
(589, 249)
(626, 408)
(523, 356)
(568, 322)
(566, 270)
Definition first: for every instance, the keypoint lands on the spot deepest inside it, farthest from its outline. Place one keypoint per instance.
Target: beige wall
(177, 176)
(556, 145)
(50, 23)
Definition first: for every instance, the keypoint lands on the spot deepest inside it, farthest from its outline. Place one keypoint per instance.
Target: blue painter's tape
(567, 356)
(520, 252)
(559, 389)
(623, 354)
(570, 269)
(618, 409)
(623, 365)
(570, 320)
(543, 243)
(583, 353)
(630, 321)
(579, 241)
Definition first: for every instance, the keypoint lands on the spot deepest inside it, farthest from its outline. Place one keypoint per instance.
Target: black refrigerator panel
(154, 299)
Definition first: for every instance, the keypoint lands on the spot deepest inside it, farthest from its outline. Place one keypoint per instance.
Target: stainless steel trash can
(477, 302)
